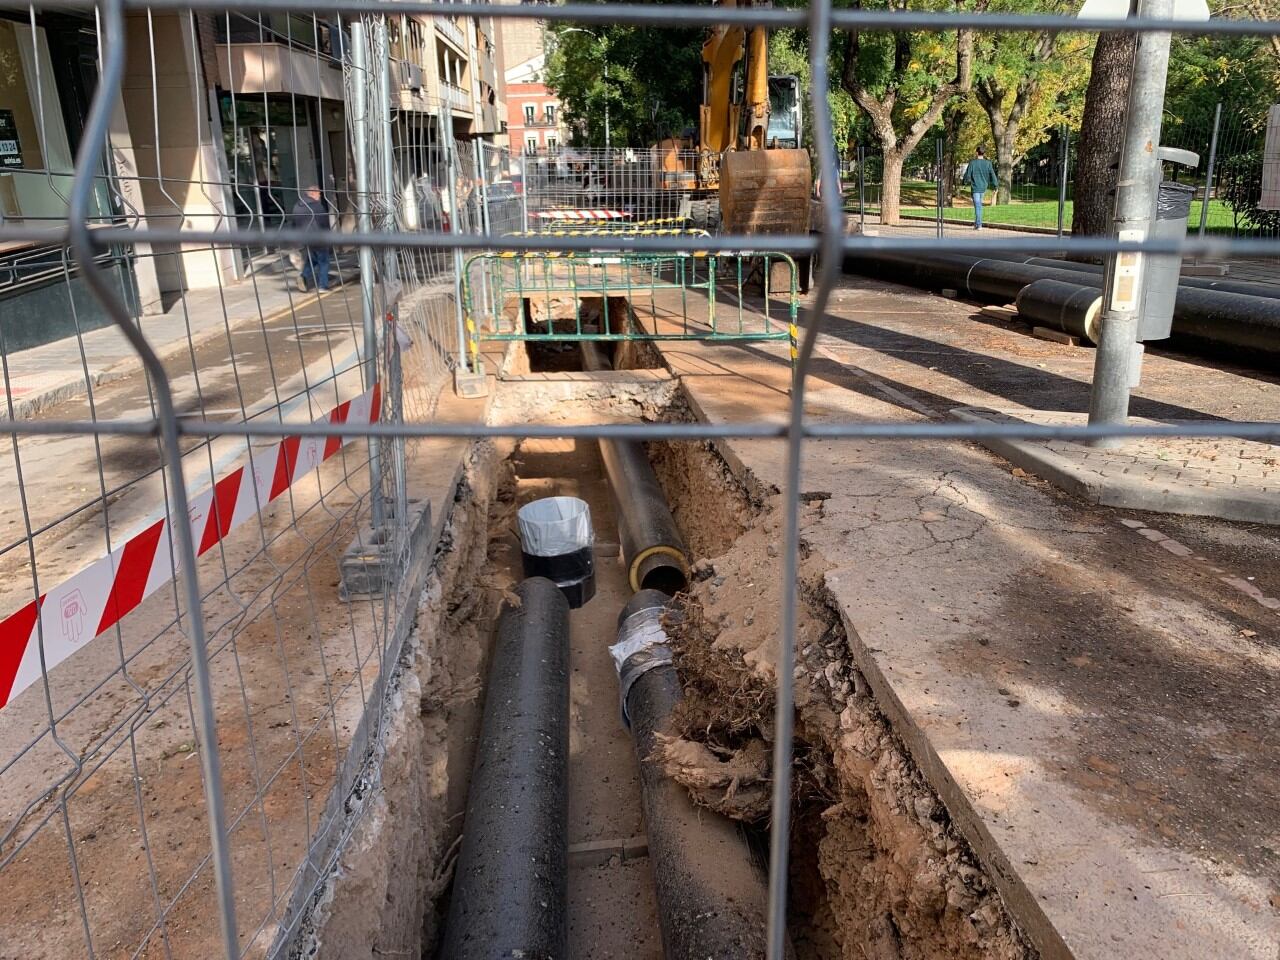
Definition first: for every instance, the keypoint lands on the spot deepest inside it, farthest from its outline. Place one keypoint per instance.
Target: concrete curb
(1123, 492)
(69, 389)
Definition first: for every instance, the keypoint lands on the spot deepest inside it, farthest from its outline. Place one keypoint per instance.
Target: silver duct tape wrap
(642, 646)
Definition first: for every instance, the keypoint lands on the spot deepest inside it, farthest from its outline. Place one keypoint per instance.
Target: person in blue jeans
(980, 177)
(312, 211)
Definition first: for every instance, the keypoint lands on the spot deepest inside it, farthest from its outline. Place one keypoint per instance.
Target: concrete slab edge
(1019, 900)
(1121, 492)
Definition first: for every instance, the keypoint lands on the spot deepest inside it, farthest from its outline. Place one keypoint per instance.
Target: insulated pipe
(652, 547)
(1211, 320)
(1223, 285)
(712, 894)
(1067, 307)
(510, 888)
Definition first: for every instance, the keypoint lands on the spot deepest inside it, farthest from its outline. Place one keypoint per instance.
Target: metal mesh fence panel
(190, 702)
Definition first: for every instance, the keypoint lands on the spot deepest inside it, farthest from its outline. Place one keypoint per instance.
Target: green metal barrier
(540, 297)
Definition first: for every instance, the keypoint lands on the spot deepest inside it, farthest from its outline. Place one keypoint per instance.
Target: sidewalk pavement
(1089, 695)
(1198, 476)
(65, 369)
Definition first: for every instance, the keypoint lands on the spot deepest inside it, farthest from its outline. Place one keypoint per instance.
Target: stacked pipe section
(1215, 316)
(511, 884)
(712, 892)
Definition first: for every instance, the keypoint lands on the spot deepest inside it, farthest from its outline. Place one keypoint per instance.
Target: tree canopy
(652, 90)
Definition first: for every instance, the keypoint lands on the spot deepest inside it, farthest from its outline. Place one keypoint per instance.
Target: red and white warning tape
(582, 215)
(93, 600)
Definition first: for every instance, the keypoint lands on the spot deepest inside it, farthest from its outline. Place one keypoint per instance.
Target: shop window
(35, 153)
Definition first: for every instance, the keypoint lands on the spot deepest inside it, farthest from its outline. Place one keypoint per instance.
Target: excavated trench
(877, 869)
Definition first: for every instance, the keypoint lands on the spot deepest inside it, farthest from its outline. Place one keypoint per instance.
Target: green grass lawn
(918, 198)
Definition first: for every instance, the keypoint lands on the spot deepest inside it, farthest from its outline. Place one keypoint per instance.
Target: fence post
(862, 189)
(937, 152)
(1208, 176)
(451, 172)
(485, 221)
(364, 222)
(1118, 357)
(391, 271)
(1064, 149)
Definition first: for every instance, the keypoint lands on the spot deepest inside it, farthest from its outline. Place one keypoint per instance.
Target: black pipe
(652, 548)
(712, 892)
(1066, 307)
(1222, 284)
(1210, 321)
(511, 884)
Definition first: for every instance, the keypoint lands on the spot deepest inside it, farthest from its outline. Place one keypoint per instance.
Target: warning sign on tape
(95, 599)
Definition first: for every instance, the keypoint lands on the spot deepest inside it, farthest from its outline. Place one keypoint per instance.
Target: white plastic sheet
(554, 525)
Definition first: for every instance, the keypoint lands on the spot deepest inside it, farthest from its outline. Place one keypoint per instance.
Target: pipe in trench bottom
(652, 548)
(712, 892)
(511, 886)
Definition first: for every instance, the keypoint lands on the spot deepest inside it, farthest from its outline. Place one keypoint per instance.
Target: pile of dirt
(899, 881)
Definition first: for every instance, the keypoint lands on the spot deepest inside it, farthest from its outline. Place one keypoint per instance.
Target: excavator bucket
(765, 191)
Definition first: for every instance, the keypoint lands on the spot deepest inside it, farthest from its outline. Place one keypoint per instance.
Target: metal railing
(165, 677)
(713, 298)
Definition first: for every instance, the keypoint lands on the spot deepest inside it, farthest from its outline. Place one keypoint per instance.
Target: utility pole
(1117, 362)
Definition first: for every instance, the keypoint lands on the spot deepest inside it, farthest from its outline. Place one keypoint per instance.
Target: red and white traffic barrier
(95, 599)
(582, 214)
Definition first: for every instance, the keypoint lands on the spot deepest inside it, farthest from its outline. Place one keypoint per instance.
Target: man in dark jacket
(980, 176)
(312, 212)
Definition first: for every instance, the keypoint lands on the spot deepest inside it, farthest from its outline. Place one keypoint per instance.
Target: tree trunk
(951, 134)
(1004, 161)
(891, 187)
(1101, 130)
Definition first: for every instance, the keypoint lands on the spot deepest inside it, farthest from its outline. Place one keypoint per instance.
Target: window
(552, 144)
(529, 115)
(550, 111)
(531, 144)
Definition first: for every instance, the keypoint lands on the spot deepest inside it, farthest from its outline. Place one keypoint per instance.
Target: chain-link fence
(114, 815)
(192, 694)
(659, 185)
(1038, 191)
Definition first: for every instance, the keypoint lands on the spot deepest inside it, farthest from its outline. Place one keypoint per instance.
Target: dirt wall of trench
(379, 900)
(878, 870)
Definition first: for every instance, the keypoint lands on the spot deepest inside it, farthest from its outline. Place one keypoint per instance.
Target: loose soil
(877, 869)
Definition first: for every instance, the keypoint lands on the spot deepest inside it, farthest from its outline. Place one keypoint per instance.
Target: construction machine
(747, 172)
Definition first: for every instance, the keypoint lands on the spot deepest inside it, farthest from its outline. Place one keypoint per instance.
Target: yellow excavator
(748, 172)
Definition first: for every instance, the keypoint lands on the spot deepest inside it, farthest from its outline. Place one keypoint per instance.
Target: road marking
(892, 393)
(1180, 549)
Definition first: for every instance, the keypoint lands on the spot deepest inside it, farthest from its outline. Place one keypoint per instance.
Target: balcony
(448, 28)
(541, 122)
(455, 96)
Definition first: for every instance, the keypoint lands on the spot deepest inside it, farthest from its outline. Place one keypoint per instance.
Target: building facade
(534, 123)
(221, 122)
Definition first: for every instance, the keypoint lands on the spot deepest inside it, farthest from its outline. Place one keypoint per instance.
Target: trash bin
(1173, 205)
(556, 543)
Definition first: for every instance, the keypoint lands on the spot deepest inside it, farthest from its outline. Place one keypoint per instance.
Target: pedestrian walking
(980, 177)
(311, 211)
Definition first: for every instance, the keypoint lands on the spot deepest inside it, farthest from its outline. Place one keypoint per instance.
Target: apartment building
(533, 116)
(534, 124)
(222, 120)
